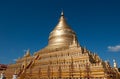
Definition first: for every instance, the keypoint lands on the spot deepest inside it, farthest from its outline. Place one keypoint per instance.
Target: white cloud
(114, 48)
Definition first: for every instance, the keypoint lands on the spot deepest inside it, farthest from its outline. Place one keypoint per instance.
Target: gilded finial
(27, 53)
(62, 13)
(114, 63)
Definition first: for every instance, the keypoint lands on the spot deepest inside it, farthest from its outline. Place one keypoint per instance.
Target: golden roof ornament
(114, 63)
(62, 13)
(27, 53)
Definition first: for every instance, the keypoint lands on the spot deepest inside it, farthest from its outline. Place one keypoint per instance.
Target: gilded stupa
(62, 36)
(62, 58)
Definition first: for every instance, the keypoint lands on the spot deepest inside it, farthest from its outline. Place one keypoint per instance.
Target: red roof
(3, 67)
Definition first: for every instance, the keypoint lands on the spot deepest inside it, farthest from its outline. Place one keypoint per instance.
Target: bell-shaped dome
(62, 35)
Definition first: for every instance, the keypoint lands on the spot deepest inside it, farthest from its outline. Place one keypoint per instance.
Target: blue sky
(26, 24)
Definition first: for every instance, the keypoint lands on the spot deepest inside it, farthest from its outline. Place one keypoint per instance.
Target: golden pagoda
(62, 58)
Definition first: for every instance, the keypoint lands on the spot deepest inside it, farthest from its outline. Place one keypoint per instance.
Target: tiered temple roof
(62, 58)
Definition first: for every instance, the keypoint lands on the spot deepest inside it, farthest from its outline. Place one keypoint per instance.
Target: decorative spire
(62, 13)
(27, 53)
(114, 63)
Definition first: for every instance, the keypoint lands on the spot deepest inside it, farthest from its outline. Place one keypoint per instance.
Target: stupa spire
(62, 13)
(114, 63)
(27, 53)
